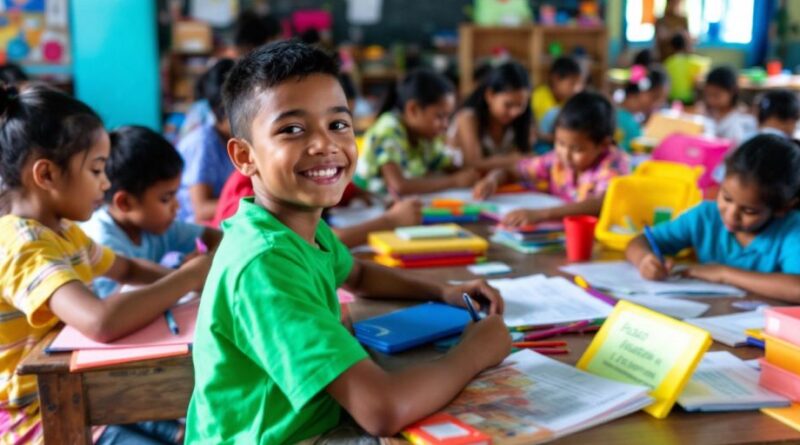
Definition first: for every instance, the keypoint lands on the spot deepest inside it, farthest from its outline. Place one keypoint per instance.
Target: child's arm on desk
(384, 402)
(522, 217)
(642, 257)
(397, 183)
(120, 314)
(375, 281)
(781, 286)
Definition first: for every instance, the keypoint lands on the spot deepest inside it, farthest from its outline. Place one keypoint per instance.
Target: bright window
(710, 21)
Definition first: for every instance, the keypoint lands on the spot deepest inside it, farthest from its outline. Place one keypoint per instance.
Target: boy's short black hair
(678, 42)
(779, 104)
(564, 67)
(265, 68)
(588, 113)
(349, 87)
(139, 158)
(772, 163)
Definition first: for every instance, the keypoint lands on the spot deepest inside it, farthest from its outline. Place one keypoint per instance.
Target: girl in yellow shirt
(53, 150)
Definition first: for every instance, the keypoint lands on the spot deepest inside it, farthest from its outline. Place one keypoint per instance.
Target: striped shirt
(34, 262)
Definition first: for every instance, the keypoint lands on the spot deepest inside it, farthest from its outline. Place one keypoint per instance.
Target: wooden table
(160, 389)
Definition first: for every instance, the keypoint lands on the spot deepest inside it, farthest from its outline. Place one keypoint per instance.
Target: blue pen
(173, 325)
(470, 308)
(653, 246)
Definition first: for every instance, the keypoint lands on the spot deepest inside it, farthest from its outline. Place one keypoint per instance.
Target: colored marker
(653, 246)
(538, 344)
(470, 308)
(201, 246)
(547, 333)
(173, 325)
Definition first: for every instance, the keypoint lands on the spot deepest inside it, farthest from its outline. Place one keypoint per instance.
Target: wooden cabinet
(529, 46)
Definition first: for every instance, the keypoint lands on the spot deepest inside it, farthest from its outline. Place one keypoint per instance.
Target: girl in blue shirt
(749, 237)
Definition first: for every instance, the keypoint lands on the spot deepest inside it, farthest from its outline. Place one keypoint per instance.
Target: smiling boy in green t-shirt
(273, 364)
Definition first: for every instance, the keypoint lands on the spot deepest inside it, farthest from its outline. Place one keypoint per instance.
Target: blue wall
(115, 65)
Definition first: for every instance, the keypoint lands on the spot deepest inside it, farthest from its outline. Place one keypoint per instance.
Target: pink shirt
(548, 174)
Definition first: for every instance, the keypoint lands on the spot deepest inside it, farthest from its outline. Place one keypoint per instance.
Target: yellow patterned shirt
(34, 262)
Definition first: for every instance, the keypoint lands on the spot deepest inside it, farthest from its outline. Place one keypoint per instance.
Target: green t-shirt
(682, 70)
(269, 337)
(387, 141)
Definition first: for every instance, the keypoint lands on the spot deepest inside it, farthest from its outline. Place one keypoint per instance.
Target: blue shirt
(774, 249)
(206, 158)
(628, 129)
(103, 230)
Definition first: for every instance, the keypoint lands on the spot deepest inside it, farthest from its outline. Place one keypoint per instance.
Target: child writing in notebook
(721, 98)
(404, 151)
(748, 237)
(203, 151)
(53, 151)
(138, 218)
(577, 171)
(268, 334)
(493, 128)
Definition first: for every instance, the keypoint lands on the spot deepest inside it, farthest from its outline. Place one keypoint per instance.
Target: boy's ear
(45, 174)
(411, 108)
(122, 200)
(240, 152)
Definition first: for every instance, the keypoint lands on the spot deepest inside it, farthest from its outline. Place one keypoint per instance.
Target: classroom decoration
(780, 367)
(34, 32)
(502, 12)
(640, 346)
(459, 247)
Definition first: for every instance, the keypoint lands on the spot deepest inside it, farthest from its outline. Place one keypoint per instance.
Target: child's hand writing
(481, 293)
(523, 217)
(406, 212)
(714, 273)
(651, 268)
(485, 188)
(487, 340)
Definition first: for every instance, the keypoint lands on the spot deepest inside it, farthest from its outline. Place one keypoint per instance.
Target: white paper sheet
(729, 329)
(537, 300)
(621, 277)
(723, 382)
(529, 392)
(674, 307)
(341, 217)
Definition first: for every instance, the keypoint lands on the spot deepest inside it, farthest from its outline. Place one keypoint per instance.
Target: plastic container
(782, 353)
(783, 323)
(779, 381)
(579, 231)
(673, 170)
(694, 151)
(634, 200)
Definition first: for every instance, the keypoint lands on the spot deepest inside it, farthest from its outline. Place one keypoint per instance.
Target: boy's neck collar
(133, 232)
(303, 222)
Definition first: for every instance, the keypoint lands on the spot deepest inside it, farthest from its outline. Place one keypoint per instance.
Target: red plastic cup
(774, 67)
(579, 230)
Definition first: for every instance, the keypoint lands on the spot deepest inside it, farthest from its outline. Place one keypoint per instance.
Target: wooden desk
(160, 389)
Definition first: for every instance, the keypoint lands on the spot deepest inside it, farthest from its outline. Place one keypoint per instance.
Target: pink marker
(547, 333)
(201, 246)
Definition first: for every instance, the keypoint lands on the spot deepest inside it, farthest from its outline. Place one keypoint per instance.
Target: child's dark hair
(422, 85)
(725, 77)
(349, 87)
(779, 104)
(139, 158)
(658, 77)
(588, 113)
(212, 82)
(42, 122)
(509, 76)
(253, 30)
(11, 74)
(564, 67)
(678, 42)
(773, 164)
(265, 68)
(644, 57)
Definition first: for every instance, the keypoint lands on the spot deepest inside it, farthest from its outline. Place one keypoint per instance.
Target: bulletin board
(35, 32)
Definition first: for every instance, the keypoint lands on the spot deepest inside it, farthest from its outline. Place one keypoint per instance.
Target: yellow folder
(387, 243)
(637, 345)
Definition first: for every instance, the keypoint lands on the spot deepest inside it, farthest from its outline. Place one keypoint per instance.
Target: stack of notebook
(780, 368)
(451, 211)
(428, 246)
(544, 237)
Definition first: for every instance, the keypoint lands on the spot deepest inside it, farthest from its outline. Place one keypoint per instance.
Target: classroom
(386, 222)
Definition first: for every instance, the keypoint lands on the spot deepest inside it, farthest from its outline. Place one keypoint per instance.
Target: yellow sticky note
(637, 345)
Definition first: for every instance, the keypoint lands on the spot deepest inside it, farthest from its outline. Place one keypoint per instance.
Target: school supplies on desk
(651, 241)
(530, 398)
(171, 323)
(496, 206)
(427, 232)
(156, 333)
(94, 358)
(640, 346)
(451, 211)
(723, 382)
(622, 278)
(729, 329)
(462, 248)
(493, 268)
(531, 238)
(411, 327)
(539, 300)
(789, 416)
(444, 429)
